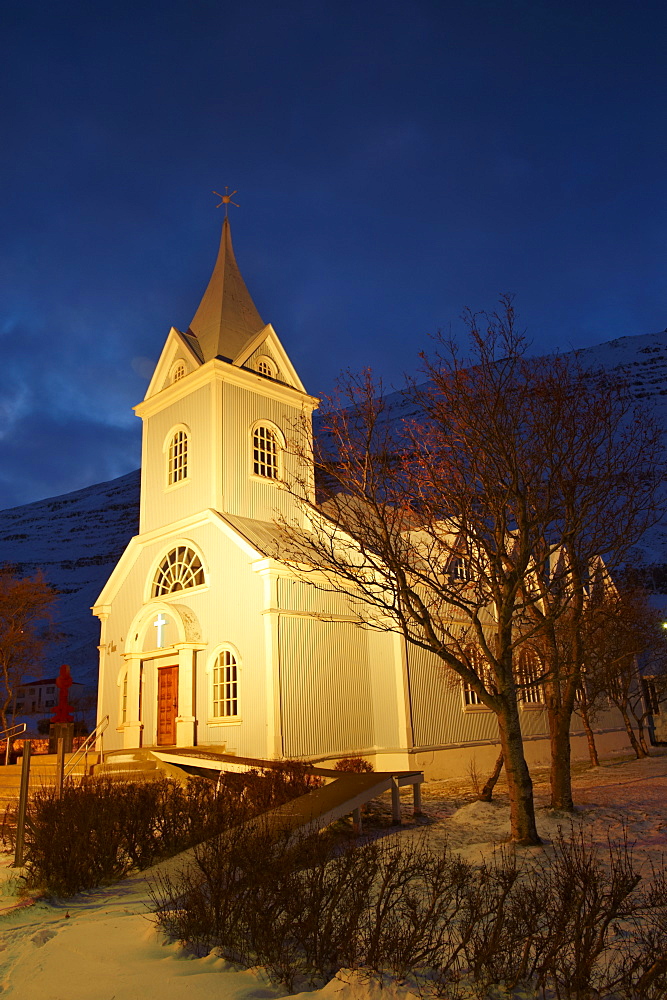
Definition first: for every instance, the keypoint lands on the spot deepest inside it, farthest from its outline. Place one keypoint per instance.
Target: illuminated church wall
(244, 494)
(206, 636)
(164, 503)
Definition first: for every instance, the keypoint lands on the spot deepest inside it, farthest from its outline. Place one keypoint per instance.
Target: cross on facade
(159, 624)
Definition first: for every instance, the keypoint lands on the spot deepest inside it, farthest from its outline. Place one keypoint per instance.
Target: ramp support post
(395, 802)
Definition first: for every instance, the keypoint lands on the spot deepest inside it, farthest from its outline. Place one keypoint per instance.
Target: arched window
(459, 568)
(265, 452)
(179, 371)
(225, 698)
(180, 570)
(266, 367)
(177, 461)
(530, 670)
(477, 663)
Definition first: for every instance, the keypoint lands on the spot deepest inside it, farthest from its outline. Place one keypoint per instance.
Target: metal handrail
(86, 746)
(20, 727)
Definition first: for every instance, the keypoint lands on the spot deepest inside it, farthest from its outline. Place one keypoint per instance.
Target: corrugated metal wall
(437, 704)
(162, 505)
(326, 694)
(243, 494)
(389, 703)
(300, 595)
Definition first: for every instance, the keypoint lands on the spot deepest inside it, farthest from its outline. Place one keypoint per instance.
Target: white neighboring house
(41, 697)
(207, 637)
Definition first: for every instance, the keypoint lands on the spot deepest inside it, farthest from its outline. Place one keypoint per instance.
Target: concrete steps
(42, 775)
(147, 769)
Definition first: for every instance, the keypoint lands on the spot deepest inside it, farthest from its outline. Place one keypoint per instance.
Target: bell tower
(226, 419)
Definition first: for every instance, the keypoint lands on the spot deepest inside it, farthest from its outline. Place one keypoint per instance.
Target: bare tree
(604, 473)
(463, 528)
(431, 525)
(25, 616)
(620, 632)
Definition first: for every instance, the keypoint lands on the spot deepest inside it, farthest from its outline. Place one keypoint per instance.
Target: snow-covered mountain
(77, 538)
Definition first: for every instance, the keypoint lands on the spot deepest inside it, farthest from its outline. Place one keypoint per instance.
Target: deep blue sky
(396, 162)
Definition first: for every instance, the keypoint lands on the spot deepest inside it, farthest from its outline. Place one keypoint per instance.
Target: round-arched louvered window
(181, 569)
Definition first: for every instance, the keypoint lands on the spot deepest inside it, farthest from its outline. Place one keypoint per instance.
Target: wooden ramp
(343, 794)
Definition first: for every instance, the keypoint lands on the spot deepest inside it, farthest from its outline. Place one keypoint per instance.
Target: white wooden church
(206, 637)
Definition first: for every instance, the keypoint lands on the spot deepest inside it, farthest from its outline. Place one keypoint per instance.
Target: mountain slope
(76, 540)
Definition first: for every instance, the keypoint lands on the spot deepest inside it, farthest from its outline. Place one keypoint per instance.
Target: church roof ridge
(226, 318)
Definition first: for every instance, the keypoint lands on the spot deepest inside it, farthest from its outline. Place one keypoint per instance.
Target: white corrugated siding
(326, 694)
(164, 505)
(244, 494)
(437, 705)
(387, 685)
(300, 595)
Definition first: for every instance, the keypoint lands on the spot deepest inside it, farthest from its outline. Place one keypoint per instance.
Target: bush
(356, 764)
(576, 928)
(100, 830)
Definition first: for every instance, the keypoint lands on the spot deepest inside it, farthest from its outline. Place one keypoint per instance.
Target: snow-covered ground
(103, 945)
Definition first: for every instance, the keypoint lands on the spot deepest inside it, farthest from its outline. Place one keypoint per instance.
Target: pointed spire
(227, 318)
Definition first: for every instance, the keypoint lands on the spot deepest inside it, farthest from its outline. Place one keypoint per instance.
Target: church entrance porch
(167, 705)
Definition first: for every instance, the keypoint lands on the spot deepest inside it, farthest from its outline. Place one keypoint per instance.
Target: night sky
(395, 163)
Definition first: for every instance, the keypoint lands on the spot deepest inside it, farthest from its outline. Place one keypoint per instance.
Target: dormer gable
(179, 358)
(265, 355)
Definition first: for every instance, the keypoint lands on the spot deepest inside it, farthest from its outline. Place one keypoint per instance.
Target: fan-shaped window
(177, 463)
(265, 451)
(180, 570)
(530, 670)
(225, 685)
(266, 367)
(179, 371)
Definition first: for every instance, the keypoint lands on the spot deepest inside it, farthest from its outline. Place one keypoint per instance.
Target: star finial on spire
(226, 199)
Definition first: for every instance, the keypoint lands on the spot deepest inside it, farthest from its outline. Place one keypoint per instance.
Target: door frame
(174, 715)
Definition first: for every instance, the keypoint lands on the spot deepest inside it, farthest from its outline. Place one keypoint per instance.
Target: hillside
(77, 538)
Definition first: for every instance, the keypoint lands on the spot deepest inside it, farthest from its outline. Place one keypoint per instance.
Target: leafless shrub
(303, 907)
(576, 927)
(473, 774)
(643, 961)
(355, 764)
(263, 788)
(100, 830)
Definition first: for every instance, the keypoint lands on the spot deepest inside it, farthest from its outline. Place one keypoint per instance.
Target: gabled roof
(227, 318)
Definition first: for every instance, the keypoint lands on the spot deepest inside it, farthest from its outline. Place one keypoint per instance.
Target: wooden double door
(167, 705)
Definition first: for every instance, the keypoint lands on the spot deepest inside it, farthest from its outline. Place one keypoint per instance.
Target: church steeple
(227, 318)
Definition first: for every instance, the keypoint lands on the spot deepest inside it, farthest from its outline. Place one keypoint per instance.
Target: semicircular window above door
(181, 569)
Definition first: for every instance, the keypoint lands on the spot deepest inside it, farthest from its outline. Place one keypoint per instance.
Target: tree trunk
(561, 778)
(590, 736)
(520, 785)
(639, 753)
(486, 794)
